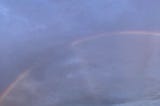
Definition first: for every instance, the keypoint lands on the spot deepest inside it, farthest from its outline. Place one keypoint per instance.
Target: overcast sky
(29, 27)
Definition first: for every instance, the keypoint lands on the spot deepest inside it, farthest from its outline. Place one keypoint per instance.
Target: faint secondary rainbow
(140, 32)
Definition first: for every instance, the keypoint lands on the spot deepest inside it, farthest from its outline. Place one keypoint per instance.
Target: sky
(31, 31)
